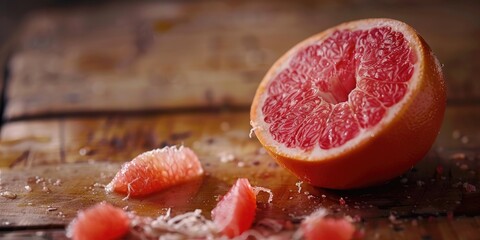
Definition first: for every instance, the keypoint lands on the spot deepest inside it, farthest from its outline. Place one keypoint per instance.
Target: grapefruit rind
(417, 116)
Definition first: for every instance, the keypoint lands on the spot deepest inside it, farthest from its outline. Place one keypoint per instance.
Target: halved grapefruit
(235, 212)
(353, 106)
(101, 221)
(156, 170)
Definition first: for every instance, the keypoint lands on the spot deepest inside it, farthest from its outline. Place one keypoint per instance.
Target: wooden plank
(466, 229)
(425, 202)
(28, 145)
(194, 54)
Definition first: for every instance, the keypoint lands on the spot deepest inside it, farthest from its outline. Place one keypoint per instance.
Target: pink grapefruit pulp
(156, 170)
(99, 222)
(235, 212)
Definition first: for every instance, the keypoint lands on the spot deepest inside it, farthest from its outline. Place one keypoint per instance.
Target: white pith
(261, 128)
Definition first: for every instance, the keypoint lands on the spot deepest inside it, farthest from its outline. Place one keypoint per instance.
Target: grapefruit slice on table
(99, 222)
(156, 170)
(235, 212)
(318, 226)
(353, 106)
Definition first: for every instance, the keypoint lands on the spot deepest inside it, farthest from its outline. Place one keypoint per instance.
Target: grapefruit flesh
(353, 106)
(235, 212)
(156, 170)
(318, 228)
(101, 221)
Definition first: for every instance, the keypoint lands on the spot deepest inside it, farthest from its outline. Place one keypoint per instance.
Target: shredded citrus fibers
(299, 186)
(194, 225)
(257, 190)
(334, 88)
(104, 221)
(272, 224)
(187, 225)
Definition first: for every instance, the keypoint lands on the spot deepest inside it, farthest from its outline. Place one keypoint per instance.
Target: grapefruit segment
(101, 221)
(340, 127)
(352, 106)
(368, 109)
(156, 170)
(319, 228)
(235, 212)
(308, 132)
(387, 93)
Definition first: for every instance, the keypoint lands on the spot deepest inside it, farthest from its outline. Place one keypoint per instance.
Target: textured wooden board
(197, 54)
(194, 54)
(31, 144)
(84, 151)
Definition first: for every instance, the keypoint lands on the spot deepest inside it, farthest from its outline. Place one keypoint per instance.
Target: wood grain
(140, 66)
(201, 54)
(425, 202)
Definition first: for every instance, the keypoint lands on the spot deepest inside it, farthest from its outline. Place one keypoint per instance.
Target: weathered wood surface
(120, 59)
(74, 157)
(196, 54)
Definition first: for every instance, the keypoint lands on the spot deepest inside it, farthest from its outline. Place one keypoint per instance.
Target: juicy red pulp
(332, 89)
(234, 214)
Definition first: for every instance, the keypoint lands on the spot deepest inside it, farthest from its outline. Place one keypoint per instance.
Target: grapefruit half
(352, 106)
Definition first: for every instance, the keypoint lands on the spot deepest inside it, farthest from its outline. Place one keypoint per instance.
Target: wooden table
(89, 87)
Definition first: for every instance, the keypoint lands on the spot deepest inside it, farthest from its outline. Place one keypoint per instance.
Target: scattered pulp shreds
(458, 156)
(195, 225)
(257, 190)
(299, 186)
(8, 194)
(90, 223)
(190, 224)
(272, 224)
(469, 187)
(226, 157)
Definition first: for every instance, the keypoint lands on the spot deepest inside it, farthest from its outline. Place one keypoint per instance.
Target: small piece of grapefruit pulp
(101, 221)
(353, 106)
(156, 170)
(235, 212)
(317, 226)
